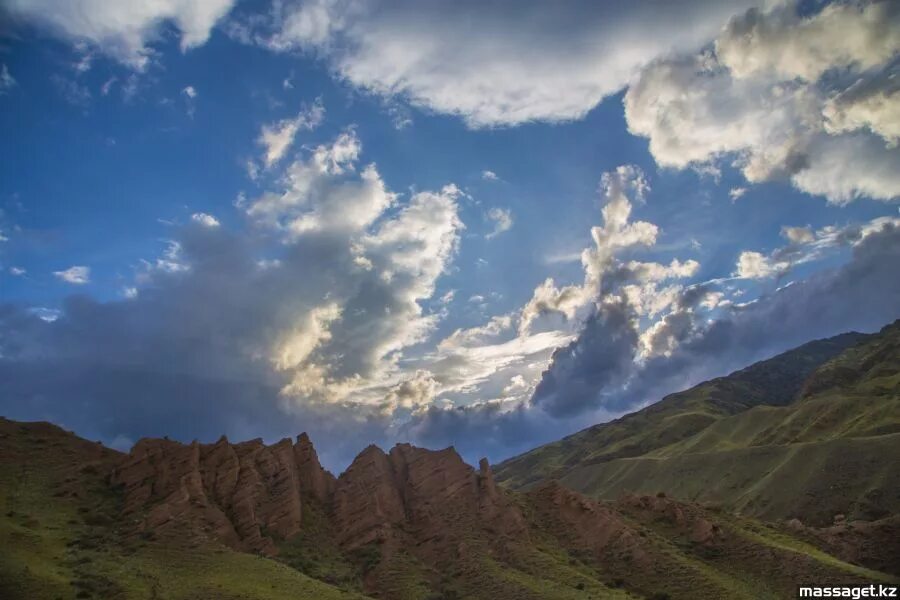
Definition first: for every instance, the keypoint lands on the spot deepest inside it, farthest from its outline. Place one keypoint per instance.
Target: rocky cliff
(245, 495)
(251, 496)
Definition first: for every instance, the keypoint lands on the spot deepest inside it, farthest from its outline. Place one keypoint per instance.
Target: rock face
(243, 495)
(412, 494)
(588, 525)
(249, 495)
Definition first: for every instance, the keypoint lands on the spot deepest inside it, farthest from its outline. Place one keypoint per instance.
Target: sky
(479, 224)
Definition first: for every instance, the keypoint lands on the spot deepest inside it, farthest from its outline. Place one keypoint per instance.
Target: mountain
(664, 503)
(251, 521)
(805, 435)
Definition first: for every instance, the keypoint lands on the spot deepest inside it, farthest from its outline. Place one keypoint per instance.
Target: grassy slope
(676, 417)
(60, 538)
(757, 440)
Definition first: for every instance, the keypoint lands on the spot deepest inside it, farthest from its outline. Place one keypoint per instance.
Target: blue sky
(131, 217)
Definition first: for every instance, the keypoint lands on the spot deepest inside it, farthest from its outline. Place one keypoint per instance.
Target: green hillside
(805, 434)
(61, 538)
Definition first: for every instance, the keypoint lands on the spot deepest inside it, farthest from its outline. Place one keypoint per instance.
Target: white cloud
(17, 271)
(489, 176)
(805, 245)
(502, 219)
(7, 82)
(798, 235)
(763, 101)
(278, 137)
(539, 62)
(783, 45)
(379, 268)
(503, 359)
(190, 92)
(204, 219)
(324, 192)
(736, 192)
(78, 275)
(124, 30)
(753, 265)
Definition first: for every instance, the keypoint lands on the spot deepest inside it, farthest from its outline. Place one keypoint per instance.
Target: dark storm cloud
(599, 359)
(588, 382)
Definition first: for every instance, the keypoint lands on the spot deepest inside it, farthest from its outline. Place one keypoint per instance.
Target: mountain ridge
(773, 448)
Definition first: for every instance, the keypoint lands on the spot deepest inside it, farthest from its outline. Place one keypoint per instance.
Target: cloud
(798, 235)
(301, 319)
(77, 275)
(503, 221)
(124, 30)
(278, 137)
(489, 176)
(774, 113)
(753, 265)
(7, 82)
(190, 92)
(272, 329)
(204, 219)
(736, 193)
(17, 271)
(806, 245)
(695, 348)
(535, 63)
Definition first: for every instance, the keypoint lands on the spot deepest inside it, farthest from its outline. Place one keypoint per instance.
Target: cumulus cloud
(299, 319)
(502, 219)
(538, 62)
(585, 377)
(124, 30)
(278, 137)
(783, 96)
(805, 245)
(798, 235)
(588, 383)
(204, 219)
(872, 104)
(489, 176)
(78, 275)
(753, 265)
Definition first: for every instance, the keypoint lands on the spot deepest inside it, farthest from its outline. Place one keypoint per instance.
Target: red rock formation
(240, 494)
(315, 480)
(431, 498)
(586, 524)
(687, 517)
(249, 496)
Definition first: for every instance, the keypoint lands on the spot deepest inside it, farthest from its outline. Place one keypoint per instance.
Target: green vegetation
(805, 434)
(61, 538)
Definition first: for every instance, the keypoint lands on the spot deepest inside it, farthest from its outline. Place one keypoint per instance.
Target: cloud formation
(809, 99)
(278, 137)
(78, 275)
(502, 219)
(304, 312)
(492, 63)
(124, 30)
